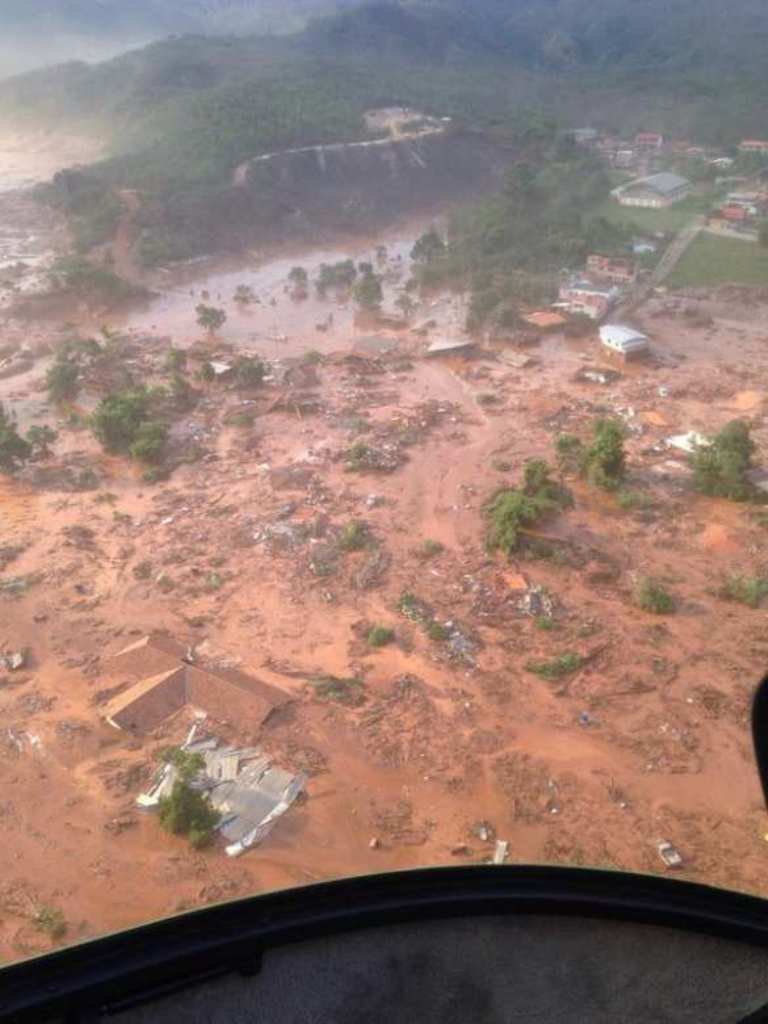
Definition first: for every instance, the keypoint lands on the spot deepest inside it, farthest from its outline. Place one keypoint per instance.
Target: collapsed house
(169, 676)
(241, 783)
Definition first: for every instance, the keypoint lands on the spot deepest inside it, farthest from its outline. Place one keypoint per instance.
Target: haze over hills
(51, 31)
(181, 114)
(550, 32)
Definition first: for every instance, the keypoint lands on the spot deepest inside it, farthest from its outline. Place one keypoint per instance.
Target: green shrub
(149, 441)
(354, 536)
(349, 691)
(546, 624)
(436, 631)
(430, 549)
(357, 456)
(62, 380)
(563, 665)
(14, 450)
(514, 509)
(604, 461)
(380, 636)
(748, 590)
(634, 501)
(142, 570)
(50, 920)
(651, 596)
(721, 469)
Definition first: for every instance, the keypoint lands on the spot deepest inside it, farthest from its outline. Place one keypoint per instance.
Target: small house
(754, 146)
(649, 140)
(586, 297)
(619, 269)
(170, 677)
(624, 158)
(545, 319)
(625, 341)
(654, 192)
(585, 136)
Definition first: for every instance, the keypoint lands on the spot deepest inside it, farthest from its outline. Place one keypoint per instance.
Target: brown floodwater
(279, 323)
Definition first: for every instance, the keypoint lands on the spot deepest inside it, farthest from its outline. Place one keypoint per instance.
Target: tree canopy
(721, 469)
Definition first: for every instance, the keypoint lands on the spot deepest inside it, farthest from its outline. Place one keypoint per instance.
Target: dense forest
(507, 250)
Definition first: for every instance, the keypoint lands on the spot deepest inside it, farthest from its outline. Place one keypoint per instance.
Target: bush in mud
(354, 536)
(430, 549)
(62, 380)
(249, 371)
(652, 597)
(748, 590)
(380, 636)
(14, 450)
(634, 501)
(348, 691)
(604, 461)
(563, 665)
(514, 509)
(51, 920)
(721, 469)
(123, 422)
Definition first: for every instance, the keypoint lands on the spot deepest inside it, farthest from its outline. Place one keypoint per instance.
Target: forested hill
(185, 110)
(538, 33)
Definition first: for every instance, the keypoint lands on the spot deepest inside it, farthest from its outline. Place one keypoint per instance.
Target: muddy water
(280, 324)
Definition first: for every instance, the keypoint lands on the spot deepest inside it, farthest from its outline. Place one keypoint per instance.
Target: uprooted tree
(514, 509)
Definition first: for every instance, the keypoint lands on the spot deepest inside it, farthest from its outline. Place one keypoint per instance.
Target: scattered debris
(669, 854)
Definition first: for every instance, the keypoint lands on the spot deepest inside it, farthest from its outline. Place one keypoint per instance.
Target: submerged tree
(210, 318)
(428, 247)
(244, 295)
(368, 293)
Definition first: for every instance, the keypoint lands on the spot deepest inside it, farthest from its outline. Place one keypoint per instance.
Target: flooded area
(243, 550)
(276, 323)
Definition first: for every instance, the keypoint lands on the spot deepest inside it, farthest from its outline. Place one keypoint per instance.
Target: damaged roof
(242, 784)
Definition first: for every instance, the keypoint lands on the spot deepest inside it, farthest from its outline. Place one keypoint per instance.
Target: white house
(625, 340)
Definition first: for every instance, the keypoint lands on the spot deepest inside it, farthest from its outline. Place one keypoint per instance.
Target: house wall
(153, 707)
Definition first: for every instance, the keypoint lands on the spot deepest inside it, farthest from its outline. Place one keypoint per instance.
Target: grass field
(672, 219)
(712, 260)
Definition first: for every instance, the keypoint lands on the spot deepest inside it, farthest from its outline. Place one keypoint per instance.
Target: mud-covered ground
(242, 552)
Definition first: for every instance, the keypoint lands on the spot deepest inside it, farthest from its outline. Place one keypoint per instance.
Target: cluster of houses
(595, 290)
(740, 212)
(647, 151)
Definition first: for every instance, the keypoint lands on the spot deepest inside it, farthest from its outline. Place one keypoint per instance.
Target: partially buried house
(169, 677)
